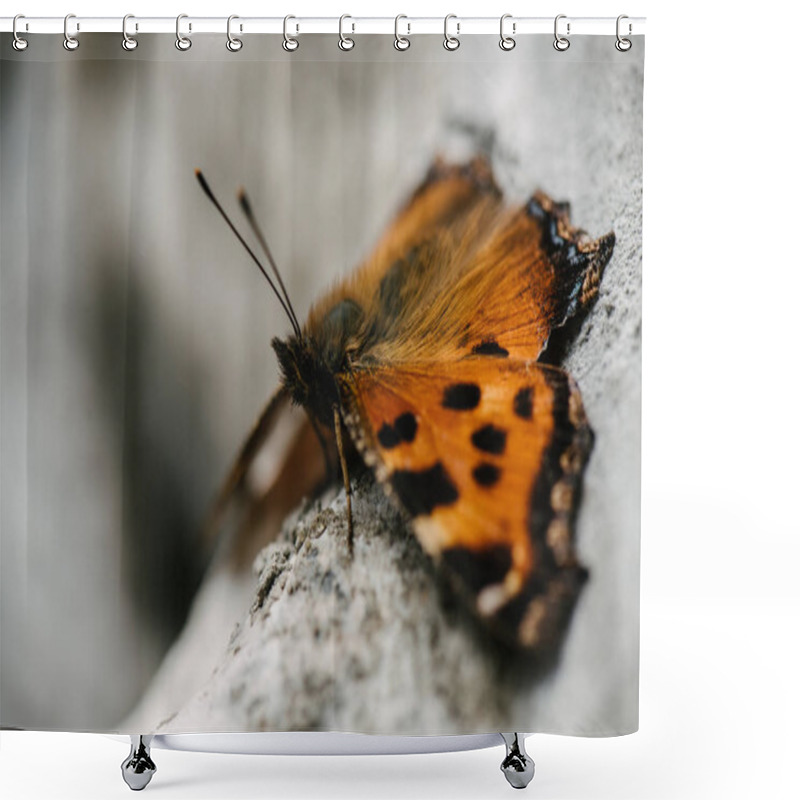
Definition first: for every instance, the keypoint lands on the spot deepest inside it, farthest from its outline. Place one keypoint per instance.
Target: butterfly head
(310, 361)
(306, 376)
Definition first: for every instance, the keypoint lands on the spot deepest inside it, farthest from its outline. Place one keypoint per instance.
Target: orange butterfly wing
(460, 272)
(453, 204)
(486, 455)
(532, 272)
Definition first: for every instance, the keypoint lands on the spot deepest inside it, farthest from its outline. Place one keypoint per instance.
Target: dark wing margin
(538, 615)
(490, 471)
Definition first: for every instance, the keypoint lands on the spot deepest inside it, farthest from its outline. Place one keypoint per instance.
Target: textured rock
(370, 642)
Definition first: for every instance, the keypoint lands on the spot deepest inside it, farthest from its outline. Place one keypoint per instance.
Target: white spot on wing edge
(365, 448)
(430, 534)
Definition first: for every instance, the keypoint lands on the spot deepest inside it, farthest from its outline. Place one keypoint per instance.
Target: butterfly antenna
(244, 202)
(207, 189)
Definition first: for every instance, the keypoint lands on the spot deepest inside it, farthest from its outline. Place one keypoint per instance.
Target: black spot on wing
(387, 436)
(489, 347)
(404, 429)
(523, 403)
(477, 569)
(424, 490)
(490, 439)
(486, 475)
(461, 396)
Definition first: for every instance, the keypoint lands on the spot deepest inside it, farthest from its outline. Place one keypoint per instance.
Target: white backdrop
(720, 538)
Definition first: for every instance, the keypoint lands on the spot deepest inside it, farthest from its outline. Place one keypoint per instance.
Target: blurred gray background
(134, 331)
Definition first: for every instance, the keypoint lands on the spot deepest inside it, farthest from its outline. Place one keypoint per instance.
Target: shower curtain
(390, 485)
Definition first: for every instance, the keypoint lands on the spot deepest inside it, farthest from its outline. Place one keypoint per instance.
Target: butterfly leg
(138, 768)
(517, 766)
(337, 426)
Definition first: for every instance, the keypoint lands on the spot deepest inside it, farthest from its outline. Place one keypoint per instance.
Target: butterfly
(426, 363)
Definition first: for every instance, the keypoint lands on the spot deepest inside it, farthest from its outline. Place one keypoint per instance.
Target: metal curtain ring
(233, 44)
(401, 42)
(451, 42)
(290, 43)
(561, 43)
(128, 42)
(183, 43)
(18, 43)
(507, 42)
(623, 45)
(345, 42)
(70, 42)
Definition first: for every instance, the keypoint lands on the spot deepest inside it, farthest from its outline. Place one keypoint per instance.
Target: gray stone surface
(370, 642)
